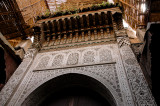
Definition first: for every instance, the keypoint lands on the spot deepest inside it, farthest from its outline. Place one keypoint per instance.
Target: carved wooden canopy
(82, 28)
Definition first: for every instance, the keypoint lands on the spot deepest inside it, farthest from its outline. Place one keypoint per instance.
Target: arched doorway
(71, 90)
(75, 96)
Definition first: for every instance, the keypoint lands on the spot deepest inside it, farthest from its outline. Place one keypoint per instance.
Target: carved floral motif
(89, 57)
(43, 62)
(73, 59)
(105, 55)
(57, 61)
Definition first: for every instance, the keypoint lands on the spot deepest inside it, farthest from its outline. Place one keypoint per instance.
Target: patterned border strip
(73, 66)
(137, 82)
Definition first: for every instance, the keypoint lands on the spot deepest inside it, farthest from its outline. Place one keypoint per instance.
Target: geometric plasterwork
(73, 59)
(122, 38)
(89, 57)
(43, 63)
(17, 76)
(138, 85)
(105, 73)
(105, 55)
(123, 41)
(107, 64)
(58, 60)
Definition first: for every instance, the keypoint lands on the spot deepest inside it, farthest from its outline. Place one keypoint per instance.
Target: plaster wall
(115, 67)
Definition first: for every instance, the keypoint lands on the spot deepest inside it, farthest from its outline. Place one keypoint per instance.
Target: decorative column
(108, 32)
(37, 35)
(83, 36)
(59, 39)
(89, 35)
(53, 41)
(42, 36)
(13, 83)
(140, 91)
(76, 37)
(102, 33)
(95, 34)
(65, 38)
(70, 38)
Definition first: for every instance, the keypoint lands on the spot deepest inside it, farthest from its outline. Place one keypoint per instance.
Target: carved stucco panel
(116, 82)
(58, 60)
(35, 78)
(89, 57)
(11, 85)
(73, 58)
(127, 96)
(43, 62)
(138, 85)
(25, 80)
(105, 55)
(106, 74)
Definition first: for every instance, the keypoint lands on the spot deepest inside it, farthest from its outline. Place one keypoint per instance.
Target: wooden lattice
(12, 24)
(32, 8)
(134, 12)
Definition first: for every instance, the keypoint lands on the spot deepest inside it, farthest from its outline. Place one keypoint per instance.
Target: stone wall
(115, 67)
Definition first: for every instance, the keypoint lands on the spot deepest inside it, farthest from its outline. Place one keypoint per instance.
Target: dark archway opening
(75, 96)
(71, 90)
(155, 56)
(2, 68)
(150, 59)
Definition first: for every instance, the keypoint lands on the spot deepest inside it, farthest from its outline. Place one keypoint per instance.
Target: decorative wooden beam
(13, 35)
(131, 6)
(8, 20)
(9, 12)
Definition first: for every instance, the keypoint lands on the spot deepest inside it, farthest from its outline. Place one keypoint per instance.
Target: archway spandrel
(110, 83)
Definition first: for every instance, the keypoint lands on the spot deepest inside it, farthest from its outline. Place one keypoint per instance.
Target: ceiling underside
(15, 15)
(136, 12)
